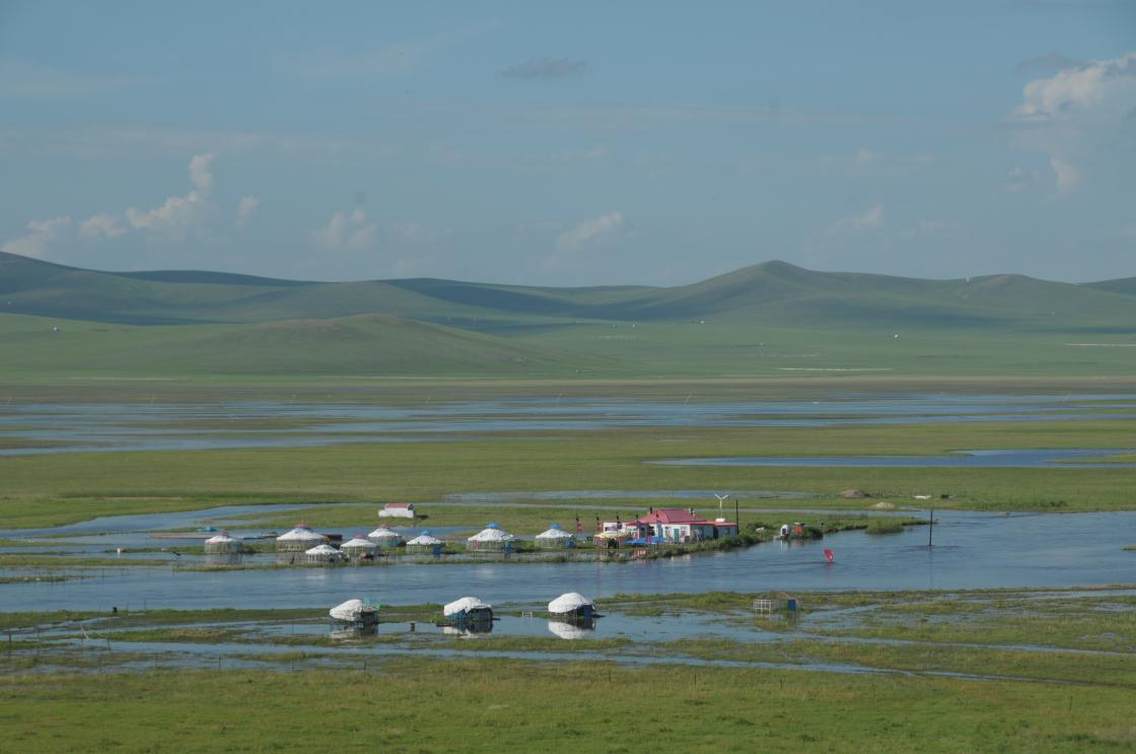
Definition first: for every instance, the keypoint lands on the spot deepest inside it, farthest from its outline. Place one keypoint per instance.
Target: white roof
(322, 550)
(219, 539)
(358, 542)
(462, 605)
(425, 539)
(384, 533)
(491, 534)
(556, 533)
(348, 610)
(566, 603)
(567, 630)
(300, 533)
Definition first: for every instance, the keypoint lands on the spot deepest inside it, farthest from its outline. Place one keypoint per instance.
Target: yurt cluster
(568, 615)
(303, 545)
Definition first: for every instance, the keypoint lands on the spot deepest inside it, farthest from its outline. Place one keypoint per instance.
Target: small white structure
(222, 544)
(299, 539)
(323, 554)
(358, 547)
(424, 542)
(385, 538)
(354, 612)
(492, 537)
(468, 610)
(555, 538)
(397, 510)
(572, 606)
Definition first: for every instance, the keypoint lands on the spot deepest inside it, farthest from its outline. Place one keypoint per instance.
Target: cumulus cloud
(347, 230)
(178, 213)
(870, 219)
(173, 219)
(246, 207)
(1077, 114)
(40, 234)
(590, 231)
(1068, 176)
(544, 68)
(101, 226)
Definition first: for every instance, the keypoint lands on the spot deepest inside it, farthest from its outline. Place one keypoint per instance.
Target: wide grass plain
(771, 332)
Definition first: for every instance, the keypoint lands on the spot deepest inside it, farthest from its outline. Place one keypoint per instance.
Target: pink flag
(829, 555)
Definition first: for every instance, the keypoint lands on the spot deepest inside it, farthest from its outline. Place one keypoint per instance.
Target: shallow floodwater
(1064, 458)
(972, 551)
(57, 428)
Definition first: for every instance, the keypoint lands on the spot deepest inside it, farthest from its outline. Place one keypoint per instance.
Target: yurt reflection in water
(580, 629)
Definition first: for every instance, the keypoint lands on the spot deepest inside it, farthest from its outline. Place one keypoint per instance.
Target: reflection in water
(340, 633)
(469, 628)
(579, 628)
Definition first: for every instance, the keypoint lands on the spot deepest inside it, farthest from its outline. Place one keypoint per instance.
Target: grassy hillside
(368, 345)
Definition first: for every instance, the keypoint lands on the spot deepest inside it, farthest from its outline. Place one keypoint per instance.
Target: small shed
(424, 542)
(572, 606)
(299, 539)
(492, 538)
(555, 538)
(468, 610)
(397, 510)
(323, 554)
(385, 538)
(358, 547)
(222, 544)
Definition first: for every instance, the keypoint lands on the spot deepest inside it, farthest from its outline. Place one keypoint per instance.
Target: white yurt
(468, 610)
(354, 612)
(222, 544)
(424, 542)
(385, 538)
(572, 606)
(323, 554)
(299, 539)
(555, 538)
(492, 537)
(358, 547)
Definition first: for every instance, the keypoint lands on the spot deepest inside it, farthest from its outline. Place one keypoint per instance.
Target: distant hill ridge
(774, 292)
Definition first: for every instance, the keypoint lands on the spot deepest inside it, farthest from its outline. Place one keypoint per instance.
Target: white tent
(466, 606)
(491, 537)
(571, 603)
(300, 538)
(222, 543)
(354, 611)
(424, 542)
(385, 537)
(554, 536)
(358, 546)
(323, 554)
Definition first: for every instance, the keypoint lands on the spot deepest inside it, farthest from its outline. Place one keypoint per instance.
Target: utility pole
(931, 528)
(737, 518)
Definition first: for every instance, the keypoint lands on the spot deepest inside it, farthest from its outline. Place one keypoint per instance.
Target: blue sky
(569, 144)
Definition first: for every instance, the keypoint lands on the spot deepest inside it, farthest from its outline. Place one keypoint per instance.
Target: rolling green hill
(764, 319)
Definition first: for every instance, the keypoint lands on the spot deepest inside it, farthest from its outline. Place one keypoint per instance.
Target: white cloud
(40, 234)
(1078, 114)
(870, 219)
(1068, 176)
(201, 172)
(347, 230)
(589, 231)
(178, 213)
(246, 207)
(102, 225)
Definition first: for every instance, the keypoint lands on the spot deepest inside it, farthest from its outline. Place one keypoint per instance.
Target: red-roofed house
(678, 525)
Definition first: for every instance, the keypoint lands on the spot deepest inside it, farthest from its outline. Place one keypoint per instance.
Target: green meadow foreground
(1018, 671)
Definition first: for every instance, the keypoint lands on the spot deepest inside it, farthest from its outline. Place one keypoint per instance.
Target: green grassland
(55, 489)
